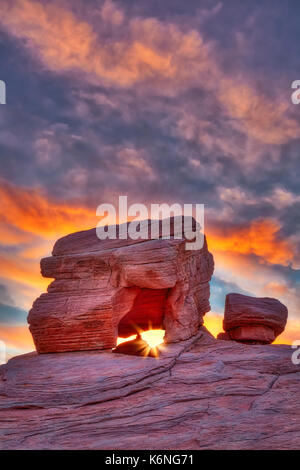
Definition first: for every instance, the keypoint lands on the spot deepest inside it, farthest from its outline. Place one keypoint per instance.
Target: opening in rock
(140, 331)
(147, 312)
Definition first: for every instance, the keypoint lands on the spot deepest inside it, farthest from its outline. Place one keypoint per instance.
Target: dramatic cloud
(17, 339)
(150, 50)
(143, 50)
(163, 102)
(259, 238)
(261, 118)
(31, 211)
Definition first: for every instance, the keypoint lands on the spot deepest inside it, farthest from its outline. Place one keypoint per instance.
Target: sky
(165, 102)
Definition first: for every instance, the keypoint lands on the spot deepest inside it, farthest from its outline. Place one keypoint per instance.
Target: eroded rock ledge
(199, 394)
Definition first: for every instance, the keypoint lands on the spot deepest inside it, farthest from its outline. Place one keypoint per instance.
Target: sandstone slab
(199, 394)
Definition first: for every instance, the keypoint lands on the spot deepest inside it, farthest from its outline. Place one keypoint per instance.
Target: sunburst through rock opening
(141, 331)
(145, 343)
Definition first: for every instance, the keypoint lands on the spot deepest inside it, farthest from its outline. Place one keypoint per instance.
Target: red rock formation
(199, 394)
(253, 320)
(105, 288)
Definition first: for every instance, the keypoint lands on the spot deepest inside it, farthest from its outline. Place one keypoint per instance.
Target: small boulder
(253, 320)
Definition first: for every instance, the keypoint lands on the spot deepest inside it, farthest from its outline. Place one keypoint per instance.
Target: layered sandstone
(253, 320)
(103, 289)
(199, 394)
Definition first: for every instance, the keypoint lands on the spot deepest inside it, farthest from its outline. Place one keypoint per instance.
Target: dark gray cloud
(12, 315)
(5, 296)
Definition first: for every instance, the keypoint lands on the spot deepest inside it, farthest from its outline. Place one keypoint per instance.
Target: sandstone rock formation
(107, 288)
(253, 320)
(199, 394)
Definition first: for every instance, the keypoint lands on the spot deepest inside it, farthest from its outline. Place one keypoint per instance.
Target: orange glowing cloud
(10, 235)
(157, 53)
(17, 269)
(259, 238)
(290, 334)
(262, 118)
(64, 42)
(31, 222)
(276, 289)
(61, 38)
(31, 211)
(17, 339)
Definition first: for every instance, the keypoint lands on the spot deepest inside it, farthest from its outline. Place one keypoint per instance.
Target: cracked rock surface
(200, 394)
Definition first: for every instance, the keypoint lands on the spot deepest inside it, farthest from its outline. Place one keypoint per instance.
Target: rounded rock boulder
(254, 320)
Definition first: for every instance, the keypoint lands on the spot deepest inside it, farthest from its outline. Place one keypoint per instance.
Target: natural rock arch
(98, 282)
